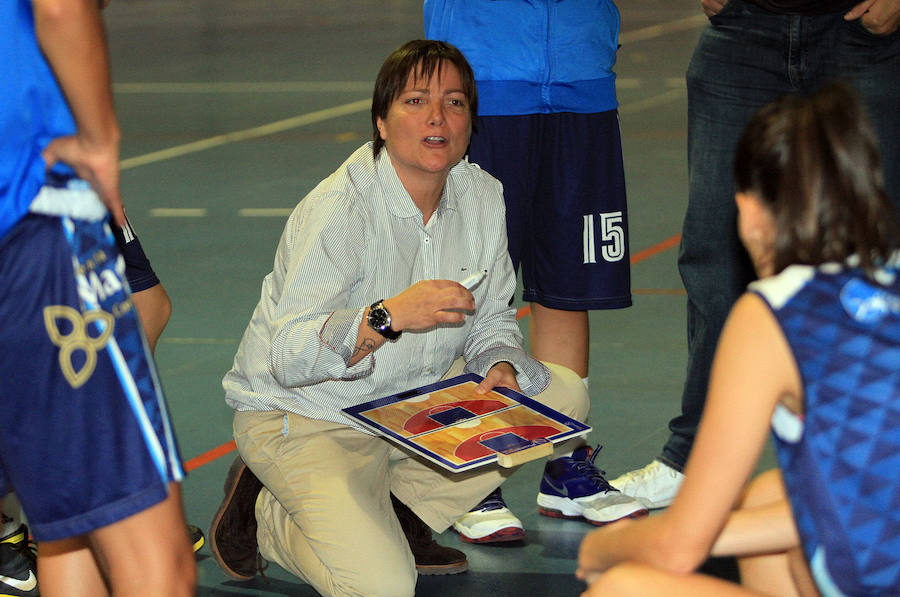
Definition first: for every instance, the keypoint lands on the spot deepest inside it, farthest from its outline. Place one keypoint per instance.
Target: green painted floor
(208, 191)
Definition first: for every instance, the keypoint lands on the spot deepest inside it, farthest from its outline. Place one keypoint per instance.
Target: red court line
(228, 447)
(208, 457)
(655, 249)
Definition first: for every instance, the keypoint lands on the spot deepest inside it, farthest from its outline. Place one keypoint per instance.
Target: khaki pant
(325, 512)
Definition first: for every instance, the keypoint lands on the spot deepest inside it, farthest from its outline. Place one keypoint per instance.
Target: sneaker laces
(587, 469)
(494, 501)
(28, 550)
(646, 472)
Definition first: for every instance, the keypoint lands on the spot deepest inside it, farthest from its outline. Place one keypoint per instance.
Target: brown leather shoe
(232, 534)
(430, 556)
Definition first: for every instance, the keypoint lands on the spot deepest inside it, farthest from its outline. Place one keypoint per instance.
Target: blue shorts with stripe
(564, 185)
(85, 438)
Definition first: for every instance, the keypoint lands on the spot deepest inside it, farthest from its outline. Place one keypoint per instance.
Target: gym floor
(233, 110)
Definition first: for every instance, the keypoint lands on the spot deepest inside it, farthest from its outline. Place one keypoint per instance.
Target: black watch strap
(379, 319)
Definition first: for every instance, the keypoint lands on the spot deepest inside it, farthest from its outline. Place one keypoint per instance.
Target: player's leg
(639, 580)
(763, 513)
(95, 411)
(579, 236)
(145, 554)
(561, 337)
(325, 513)
(154, 307)
(68, 567)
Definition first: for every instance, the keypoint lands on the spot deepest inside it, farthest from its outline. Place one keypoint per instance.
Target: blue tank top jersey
(841, 456)
(33, 112)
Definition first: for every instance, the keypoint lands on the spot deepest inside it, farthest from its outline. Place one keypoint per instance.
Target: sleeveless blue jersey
(841, 457)
(32, 112)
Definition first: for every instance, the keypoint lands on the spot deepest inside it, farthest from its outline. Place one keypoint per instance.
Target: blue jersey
(540, 57)
(841, 456)
(32, 113)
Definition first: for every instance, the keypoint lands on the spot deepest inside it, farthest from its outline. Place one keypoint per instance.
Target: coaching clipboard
(450, 425)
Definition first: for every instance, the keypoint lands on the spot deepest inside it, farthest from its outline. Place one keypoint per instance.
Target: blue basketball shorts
(85, 437)
(564, 186)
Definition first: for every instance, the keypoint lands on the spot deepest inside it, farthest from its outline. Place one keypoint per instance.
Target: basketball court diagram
(451, 425)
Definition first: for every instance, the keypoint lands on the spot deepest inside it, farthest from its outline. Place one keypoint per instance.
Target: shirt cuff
(339, 334)
(531, 375)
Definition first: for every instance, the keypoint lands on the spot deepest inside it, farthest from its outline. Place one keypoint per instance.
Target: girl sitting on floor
(812, 350)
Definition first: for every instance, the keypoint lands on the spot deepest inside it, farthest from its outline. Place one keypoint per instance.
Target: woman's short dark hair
(419, 59)
(814, 162)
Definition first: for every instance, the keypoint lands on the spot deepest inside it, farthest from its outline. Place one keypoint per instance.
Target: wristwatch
(379, 319)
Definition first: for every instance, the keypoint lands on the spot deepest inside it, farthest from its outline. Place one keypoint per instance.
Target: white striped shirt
(357, 238)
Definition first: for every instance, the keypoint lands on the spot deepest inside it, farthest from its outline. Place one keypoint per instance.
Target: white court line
(646, 33)
(178, 212)
(345, 109)
(245, 87)
(634, 83)
(173, 340)
(342, 110)
(265, 212)
(251, 133)
(655, 101)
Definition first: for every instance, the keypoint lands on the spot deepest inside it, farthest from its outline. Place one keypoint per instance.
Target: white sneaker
(655, 485)
(490, 522)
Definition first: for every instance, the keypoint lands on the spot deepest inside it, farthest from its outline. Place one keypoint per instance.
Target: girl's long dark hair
(814, 162)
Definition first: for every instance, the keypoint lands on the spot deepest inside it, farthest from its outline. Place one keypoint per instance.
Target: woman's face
(756, 229)
(427, 127)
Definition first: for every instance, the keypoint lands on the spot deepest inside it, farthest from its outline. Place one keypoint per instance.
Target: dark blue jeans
(746, 58)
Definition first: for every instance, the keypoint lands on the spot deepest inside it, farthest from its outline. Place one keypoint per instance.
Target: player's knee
(622, 580)
(765, 488)
(566, 393)
(173, 571)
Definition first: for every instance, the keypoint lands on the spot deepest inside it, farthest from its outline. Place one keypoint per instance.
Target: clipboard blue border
(357, 413)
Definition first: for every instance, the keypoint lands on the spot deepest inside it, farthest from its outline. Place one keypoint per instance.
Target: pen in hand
(474, 280)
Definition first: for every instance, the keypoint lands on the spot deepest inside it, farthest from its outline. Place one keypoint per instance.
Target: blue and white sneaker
(572, 487)
(491, 521)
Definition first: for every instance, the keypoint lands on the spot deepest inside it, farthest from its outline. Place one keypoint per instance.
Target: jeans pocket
(856, 31)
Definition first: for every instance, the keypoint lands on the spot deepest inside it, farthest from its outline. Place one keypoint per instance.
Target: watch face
(379, 318)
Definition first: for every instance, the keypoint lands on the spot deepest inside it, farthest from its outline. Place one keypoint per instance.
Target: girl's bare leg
(148, 553)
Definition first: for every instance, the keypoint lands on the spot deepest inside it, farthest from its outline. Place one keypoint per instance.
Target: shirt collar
(398, 199)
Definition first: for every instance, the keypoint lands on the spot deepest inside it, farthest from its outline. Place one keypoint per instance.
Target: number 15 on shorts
(612, 237)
